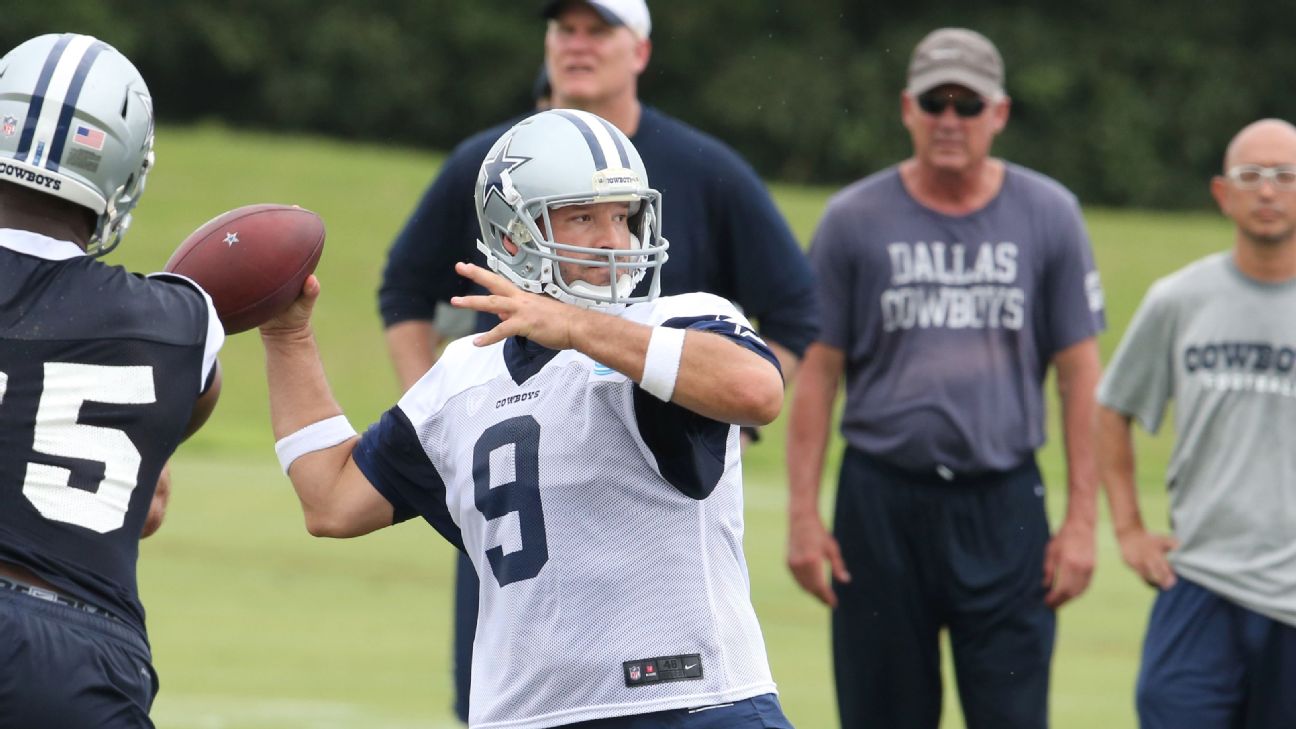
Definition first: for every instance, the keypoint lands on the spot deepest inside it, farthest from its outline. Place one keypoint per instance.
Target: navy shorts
(758, 712)
(62, 667)
(925, 553)
(1209, 663)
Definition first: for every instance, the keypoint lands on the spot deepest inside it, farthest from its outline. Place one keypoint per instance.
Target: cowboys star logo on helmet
(497, 172)
(84, 127)
(566, 157)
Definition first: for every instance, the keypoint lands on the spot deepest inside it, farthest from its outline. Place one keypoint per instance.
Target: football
(252, 260)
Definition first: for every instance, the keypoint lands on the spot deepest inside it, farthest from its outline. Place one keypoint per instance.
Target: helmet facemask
(537, 263)
(116, 217)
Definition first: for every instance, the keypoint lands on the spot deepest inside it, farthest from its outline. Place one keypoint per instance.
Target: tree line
(1126, 103)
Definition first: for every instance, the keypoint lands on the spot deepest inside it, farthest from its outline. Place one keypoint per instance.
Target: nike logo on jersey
(647, 671)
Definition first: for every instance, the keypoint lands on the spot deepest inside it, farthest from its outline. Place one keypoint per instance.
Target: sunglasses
(965, 107)
(1250, 177)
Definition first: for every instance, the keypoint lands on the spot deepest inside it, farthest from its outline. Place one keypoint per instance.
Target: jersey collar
(40, 246)
(524, 358)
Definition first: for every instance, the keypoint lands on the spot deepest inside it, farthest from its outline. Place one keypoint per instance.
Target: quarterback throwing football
(583, 453)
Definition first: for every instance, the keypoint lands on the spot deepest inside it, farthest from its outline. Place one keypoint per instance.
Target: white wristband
(314, 437)
(661, 364)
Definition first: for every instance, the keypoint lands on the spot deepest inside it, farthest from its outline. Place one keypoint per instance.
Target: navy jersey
(99, 373)
(726, 237)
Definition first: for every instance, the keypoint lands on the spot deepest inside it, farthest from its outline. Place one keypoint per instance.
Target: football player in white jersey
(583, 453)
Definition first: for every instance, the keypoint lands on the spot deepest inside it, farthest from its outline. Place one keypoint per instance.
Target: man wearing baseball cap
(948, 284)
(726, 237)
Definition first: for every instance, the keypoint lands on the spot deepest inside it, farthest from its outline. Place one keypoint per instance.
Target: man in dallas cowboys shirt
(583, 453)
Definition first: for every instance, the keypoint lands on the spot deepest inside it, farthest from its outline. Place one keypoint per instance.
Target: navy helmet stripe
(596, 149)
(616, 139)
(38, 96)
(69, 104)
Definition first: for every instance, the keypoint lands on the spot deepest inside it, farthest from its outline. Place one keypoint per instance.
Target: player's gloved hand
(295, 320)
(809, 546)
(1145, 553)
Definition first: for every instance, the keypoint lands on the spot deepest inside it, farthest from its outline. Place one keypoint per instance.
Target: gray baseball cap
(956, 56)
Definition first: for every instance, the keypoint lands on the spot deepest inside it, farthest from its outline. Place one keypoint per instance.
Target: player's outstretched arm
(1144, 552)
(337, 500)
(809, 543)
(716, 378)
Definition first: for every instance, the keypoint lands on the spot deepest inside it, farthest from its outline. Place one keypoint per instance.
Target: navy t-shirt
(726, 237)
(948, 323)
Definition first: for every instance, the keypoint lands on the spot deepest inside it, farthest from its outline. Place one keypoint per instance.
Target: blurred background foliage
(1127, 103)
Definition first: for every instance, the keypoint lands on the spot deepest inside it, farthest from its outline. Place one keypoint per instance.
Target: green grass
(254, 624)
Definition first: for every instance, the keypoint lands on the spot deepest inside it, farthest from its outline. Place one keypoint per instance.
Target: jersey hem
(605, 711)
(1229, 593)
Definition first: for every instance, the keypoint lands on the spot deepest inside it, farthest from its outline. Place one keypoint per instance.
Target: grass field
(255, 624)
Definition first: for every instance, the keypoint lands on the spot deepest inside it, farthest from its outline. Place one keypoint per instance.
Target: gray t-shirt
(1223, 347)
(949, 323)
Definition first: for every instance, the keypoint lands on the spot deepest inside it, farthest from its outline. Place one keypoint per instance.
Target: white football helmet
(76, 122)
(566, 157)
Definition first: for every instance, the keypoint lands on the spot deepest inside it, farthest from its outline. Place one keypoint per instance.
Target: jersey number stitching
(57, 433)
(521, 495)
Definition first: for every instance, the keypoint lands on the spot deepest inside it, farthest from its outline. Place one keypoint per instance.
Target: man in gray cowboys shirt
(948, 285)
(1219, 339)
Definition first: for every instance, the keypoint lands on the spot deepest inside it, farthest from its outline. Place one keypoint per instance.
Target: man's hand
(809, 546)
(1068, 562)
(1145, 553)
(296, 318)
(541, 319)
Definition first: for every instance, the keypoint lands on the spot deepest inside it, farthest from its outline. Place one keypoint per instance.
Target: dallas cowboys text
(1259, 367)
(953, 286)
(9, 170)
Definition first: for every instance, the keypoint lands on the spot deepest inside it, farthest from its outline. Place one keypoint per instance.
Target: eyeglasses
(966, 107)
(1250, 177)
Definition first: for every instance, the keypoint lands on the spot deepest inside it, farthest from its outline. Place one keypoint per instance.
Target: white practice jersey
(605, 524)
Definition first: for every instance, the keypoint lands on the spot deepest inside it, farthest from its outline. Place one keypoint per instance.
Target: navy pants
(62, 667)
(926, 553)
(759, 712)
(1209, 663)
